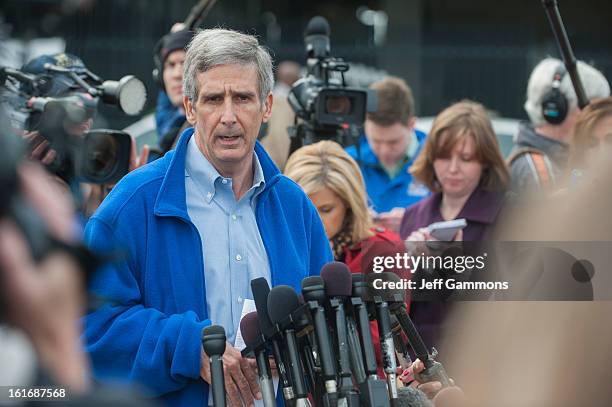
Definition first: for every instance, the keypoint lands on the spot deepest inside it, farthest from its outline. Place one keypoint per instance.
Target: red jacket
(360, 256)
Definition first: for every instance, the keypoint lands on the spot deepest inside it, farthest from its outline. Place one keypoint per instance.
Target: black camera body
(328, 108)
(57, 97)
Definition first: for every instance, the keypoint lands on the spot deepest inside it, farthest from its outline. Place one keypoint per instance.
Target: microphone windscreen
(337, 278)
(213, 340)
(312, 281)
(213, 330)
(450, 397)
(317, 26)
(282, 301)
(249, 327)
(412, 397)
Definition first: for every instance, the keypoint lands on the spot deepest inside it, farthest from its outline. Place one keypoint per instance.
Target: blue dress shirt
(232, 247)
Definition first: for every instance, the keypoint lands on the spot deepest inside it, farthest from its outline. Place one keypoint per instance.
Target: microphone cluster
(322, 345)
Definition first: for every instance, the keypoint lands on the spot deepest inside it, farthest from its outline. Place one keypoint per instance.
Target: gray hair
(540, 82)
(213, 47)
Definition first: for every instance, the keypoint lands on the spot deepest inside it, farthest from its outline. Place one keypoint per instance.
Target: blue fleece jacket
(387, 193)
(150, 331)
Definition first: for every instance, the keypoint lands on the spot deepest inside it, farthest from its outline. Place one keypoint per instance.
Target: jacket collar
(482, 206)
(555, 149)
(171, 198)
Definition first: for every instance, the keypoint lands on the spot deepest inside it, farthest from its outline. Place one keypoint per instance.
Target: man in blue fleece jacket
(195, 227)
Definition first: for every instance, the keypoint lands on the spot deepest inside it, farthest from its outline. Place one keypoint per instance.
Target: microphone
(313, 291)
(213, 341)
(251, 333)
(316, 38)
(372, 391)
(338, 286)
(360, 310)
(282, 301)
(401, 348)
(434, 371)
(385, 336)
(261, 291)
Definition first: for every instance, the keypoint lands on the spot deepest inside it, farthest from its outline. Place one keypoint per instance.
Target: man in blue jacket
(196, 226)
(387, 152)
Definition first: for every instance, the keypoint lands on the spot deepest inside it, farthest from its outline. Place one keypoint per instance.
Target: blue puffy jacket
(150, 331)
(387, 193)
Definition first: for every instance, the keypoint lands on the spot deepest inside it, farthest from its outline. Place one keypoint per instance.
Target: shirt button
(238, 257)
(209, 195)
(234, 217)
(240, 300)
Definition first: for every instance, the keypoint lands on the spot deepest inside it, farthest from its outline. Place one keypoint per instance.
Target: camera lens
(340, 105)
(101, 152)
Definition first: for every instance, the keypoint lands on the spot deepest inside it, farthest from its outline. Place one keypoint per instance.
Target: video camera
(56, 95)
(328, 107)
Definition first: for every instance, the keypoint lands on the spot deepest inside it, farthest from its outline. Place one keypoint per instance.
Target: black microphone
(213, 341)
(372, 391)
(338, 287)
(282, 301)
(401, 348)
(385, 336)
(313, 291)
(251, 333)
(360, 309)
(434, 371)
(316, 38)
(261, 290)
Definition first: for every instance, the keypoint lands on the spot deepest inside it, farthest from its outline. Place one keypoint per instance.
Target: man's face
(173, 76)
(227, 114)
(389, 143)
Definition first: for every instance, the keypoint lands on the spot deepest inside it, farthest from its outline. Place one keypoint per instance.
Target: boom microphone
(251, 333)
(213, 342)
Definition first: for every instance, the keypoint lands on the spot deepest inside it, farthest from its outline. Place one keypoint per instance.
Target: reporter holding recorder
(463, 167)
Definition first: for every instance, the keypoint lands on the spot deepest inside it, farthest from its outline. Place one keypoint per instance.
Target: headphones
(158, 65)
(554, 102)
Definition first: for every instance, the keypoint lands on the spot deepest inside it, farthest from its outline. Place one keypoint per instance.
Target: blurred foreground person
(546, 353)
(41, 301)
(462, 166)
(391, 146)
(334, 184)
(540, 155)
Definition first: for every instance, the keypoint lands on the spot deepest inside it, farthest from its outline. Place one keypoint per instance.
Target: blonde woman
(333, 182)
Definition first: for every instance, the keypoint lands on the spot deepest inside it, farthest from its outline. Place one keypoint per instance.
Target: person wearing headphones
(539, 156)
(168, 57)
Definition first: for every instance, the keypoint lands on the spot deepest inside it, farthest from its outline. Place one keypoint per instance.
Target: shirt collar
(207, 178)
(411, 149)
